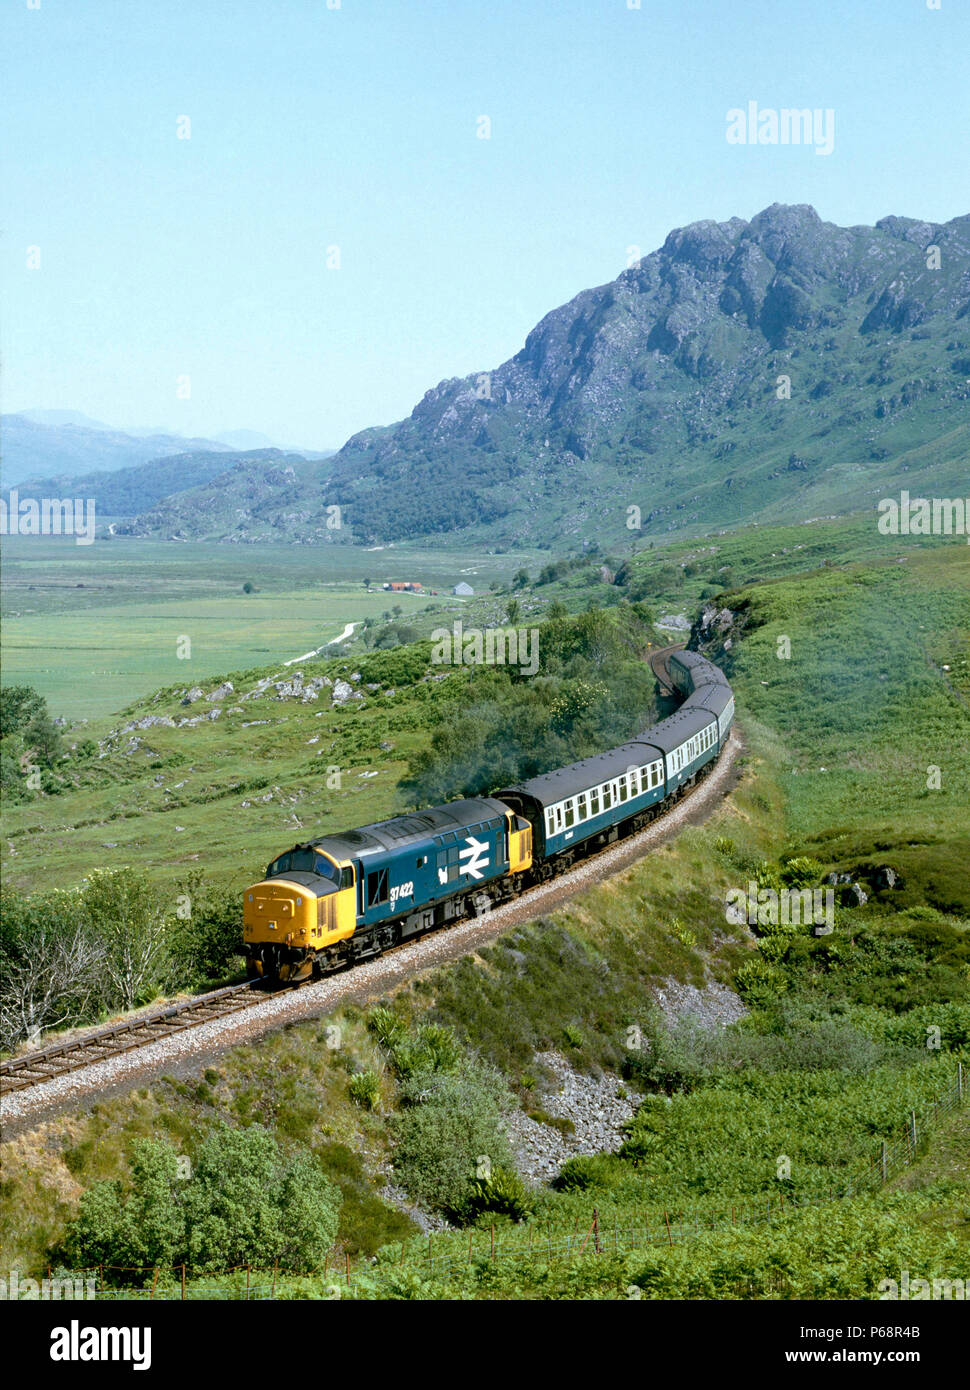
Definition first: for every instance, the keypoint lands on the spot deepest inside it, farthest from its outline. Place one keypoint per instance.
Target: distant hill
(46, 444)
(228, 491)
(129, 491)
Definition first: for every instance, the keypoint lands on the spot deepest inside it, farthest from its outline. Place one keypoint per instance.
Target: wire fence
(536, 1242)
(896, 1154)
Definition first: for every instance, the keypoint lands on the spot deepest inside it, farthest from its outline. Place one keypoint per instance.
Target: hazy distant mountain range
(57, 453)
(773, 369)
(46, 444)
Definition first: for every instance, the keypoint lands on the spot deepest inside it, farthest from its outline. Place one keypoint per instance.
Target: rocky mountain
(46, 444)
(779, 368)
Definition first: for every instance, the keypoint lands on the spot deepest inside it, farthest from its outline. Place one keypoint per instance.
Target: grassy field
(93, 627)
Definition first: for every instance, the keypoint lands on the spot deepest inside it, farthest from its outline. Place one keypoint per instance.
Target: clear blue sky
(356, 127)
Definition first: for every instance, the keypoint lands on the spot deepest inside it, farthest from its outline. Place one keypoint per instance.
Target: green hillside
(755, 1146)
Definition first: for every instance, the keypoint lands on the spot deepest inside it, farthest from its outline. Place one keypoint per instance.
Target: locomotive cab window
(347, 877)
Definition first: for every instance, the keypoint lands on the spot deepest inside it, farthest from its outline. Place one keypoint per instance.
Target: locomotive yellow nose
(280, 912)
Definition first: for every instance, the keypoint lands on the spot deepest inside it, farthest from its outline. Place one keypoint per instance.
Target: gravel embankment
(593, 1104)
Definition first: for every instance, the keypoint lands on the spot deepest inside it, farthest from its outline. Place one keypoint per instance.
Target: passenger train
(342, 898)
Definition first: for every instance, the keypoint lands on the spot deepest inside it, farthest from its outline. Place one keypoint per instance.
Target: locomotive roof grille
(455, 817)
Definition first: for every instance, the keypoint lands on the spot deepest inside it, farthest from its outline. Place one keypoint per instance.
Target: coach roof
(551, 787)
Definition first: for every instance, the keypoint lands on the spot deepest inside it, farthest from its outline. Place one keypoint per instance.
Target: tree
(247, 1205)
(50, 965)
(367, 585)
(128, 917)
(205, 940)
(242, 1201)
(43, 735)
(139, 1228)
(520, 579)
(513, 611)
(19, 704)
(249, 587)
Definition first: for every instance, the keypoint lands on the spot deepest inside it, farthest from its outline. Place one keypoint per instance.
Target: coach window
(607, 797)
(594, 802)
(570, 814)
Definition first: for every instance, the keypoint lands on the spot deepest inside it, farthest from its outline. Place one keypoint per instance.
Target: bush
(450, 1122)
(801, 872)
(388, 1028)
(244, 1203)
(587, 1171)
(365, 1089)
(502, 1193)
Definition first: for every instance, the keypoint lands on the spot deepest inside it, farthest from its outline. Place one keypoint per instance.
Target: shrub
(502, 1193)
(801, 872)
(587, 1171)
(244, 1203)
(365, 1089)
(387, 1027)
(451, 1121)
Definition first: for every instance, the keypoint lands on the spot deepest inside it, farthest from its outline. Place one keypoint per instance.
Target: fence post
(885, 1160)
(493, 1240)
(247, 1282)
(669, 1236)
(154, 1282)
(183, 1283)
(960, 1082)
(596, 1230)
(348, 1266)
(430, 1254)
(912, 1120)
(275, 1266)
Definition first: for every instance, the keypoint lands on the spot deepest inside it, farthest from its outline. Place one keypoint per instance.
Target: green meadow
(93, 627)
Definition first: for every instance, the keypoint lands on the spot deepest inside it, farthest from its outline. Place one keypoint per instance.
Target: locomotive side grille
(325, 912)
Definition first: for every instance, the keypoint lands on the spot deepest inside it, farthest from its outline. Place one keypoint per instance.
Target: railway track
(35, 1068)
(659, 665)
